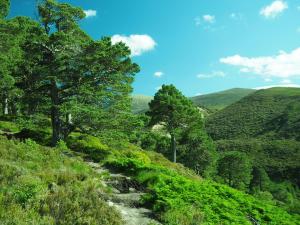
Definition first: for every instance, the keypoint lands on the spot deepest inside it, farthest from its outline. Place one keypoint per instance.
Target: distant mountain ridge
(140, 103)
(222, 99)
(212, 102)
(270, 113)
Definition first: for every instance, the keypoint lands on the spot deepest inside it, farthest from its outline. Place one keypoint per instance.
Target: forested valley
(67, 103)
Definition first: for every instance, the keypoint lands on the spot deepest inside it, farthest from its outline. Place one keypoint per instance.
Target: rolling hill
(213, 102)
(220, 100)
(272, 113)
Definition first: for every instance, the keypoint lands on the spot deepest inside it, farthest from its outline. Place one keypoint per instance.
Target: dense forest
(66, 104)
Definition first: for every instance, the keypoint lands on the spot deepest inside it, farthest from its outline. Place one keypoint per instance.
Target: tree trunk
(55, 115)
(173, 147)
(68, 125)
(5, 106)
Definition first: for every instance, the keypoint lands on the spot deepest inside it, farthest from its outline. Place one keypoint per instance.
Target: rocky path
(125, 197)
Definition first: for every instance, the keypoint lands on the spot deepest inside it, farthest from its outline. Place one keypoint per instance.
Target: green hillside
(45, 186)
(214, 101)
(220, 100)
(272, 113)
(140, 103)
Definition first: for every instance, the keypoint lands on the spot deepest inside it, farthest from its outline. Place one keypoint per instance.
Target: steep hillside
(272, 113)
(44, 186)
(220, 100)
(140, 103)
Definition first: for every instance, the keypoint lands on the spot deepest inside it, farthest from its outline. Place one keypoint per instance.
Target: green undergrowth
(7, 126)
(172, 193)
(178, 196)
(40, 185)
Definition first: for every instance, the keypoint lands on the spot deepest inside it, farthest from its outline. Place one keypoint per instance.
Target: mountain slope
(266, 113)
(140, 103)
(214, 101)
(220, 100)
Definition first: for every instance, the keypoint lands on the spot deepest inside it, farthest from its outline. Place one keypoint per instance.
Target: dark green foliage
(4, 8)
(271, 113)
(171, 109)
(235, 170)
(57, 70)
(197, 151)
(220, 100)
(280, 158)
(260, 180)
(275, 167)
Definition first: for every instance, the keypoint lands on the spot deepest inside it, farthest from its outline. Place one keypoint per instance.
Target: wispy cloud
(210, 75)
(205, 20)
(236, 16)
(274, 9)
(90, 13)
(283, 65)
(286, 81)
(138, 44)
(209, 18)
(158, 74)
(278, 85)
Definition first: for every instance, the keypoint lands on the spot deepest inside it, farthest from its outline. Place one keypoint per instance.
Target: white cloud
(286, 81)
(283, 65)
(90, 13)
(209, 18)
(158, 74)
(205, 20)
(274, 9)
(268, 79)
(138, 44)
(279, 85)
(210, 75)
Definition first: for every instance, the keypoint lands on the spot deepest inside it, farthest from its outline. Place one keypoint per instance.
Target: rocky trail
(125, 197)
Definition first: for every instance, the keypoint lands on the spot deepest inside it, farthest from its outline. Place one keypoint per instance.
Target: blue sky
(200, 46)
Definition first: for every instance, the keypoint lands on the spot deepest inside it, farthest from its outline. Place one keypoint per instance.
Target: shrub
(90, 145)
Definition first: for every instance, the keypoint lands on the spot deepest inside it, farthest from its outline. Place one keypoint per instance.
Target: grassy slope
(37, 177)
(40, 185)
(176, 194)
(220, 100)
(179, 197)
(270, 113)
(214, 101)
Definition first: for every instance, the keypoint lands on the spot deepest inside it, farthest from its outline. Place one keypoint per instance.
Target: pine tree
(174, 111)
